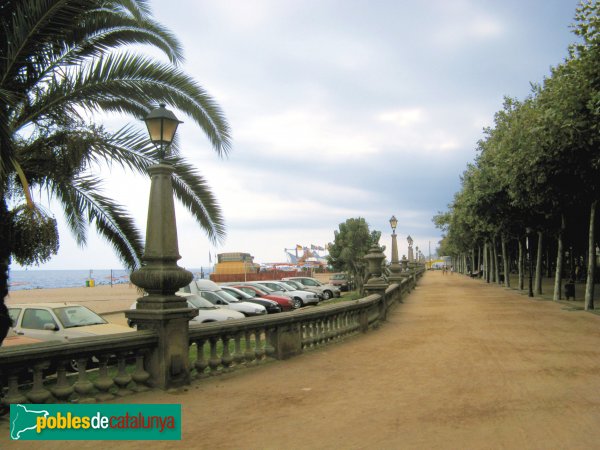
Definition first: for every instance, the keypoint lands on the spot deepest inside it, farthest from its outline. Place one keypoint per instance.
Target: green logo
(94, 422)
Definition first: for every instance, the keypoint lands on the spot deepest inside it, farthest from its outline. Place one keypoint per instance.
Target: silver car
(59, 321)
(327, 290)
(299, 296)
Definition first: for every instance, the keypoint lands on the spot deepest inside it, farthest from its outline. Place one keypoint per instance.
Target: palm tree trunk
(538, 264)
(559, 261)
(520, 263)
(589, 286)
(505, 261)
(5, 252)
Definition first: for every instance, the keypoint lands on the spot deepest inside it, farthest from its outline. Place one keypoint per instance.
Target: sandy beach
(101, 299)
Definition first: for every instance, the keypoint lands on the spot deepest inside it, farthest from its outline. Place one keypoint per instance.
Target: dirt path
(460, 364)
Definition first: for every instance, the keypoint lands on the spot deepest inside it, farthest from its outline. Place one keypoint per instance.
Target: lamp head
(162, 125)
(393, 223)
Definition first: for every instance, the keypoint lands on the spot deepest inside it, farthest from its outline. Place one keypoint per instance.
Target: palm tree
(60, 62)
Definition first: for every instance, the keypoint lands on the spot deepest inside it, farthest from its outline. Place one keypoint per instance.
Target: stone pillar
(395, 267)
(377, 284)
(160, 276)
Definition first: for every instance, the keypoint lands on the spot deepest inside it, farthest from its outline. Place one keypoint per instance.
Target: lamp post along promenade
(160, 276)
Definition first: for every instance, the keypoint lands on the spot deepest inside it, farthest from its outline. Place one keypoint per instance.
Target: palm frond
(194, 193)
(122, 83)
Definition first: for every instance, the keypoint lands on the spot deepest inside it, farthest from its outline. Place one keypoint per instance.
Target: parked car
(299, 297)
(212, 292)
(297, 285)
(285, 303)
(270, 305)
(12, 339)
(328, 291)
(340, 280)
(207, 312)
(59, 321)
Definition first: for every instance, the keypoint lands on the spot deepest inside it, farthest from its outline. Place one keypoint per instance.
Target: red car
(285, 303)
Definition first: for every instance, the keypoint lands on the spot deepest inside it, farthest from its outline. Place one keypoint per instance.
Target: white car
(214, 294)
(298, 296)
(59, 321)
(327, 290)
(207, 312)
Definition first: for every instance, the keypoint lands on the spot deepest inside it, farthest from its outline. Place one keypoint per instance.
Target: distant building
(235, 263)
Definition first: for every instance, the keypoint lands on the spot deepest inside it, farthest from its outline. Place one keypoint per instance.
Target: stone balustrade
(38, 373)
(42, 372)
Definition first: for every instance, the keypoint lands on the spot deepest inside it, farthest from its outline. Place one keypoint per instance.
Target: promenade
(460, 365)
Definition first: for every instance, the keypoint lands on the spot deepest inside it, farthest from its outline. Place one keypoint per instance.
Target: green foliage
(351, 243)
(540, 160)
(34, 235)
(62, 61)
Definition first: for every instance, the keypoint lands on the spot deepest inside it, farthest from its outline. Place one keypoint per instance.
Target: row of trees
(537, 170)
(62, 62)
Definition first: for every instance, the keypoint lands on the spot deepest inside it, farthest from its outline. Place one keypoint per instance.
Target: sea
(50, 279)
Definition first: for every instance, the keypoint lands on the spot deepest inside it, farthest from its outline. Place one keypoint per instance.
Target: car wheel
(327, 295)
(72, 366)
(298, 303)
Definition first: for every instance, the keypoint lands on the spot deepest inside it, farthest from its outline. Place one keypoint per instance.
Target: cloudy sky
(339, 109)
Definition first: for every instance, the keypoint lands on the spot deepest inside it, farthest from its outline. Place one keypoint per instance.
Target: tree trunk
(486, 271)
(559, 261)
(589, 286)
(505, 261)
(521, 266)
(495, 261)
(5, 252)
(538, 264)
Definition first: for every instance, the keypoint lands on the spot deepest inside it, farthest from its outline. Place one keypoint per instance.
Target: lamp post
(160, 276)
(395, 267)
(411, 256)
(528, 232)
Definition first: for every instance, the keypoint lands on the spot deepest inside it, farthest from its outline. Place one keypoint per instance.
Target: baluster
(269, 349)
(122, 379)
(238, 356)
(13, 395)
(321, 331)
(104, 382)
(259, 351)
(83, 386)
(38, 393)
(200, 363)
(327, 323)
(313, 334)
(62, 390)
(249, 354)
(227, 359)
(214, 360)
(139, 375)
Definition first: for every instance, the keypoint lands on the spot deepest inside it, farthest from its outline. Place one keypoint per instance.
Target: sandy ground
(461, 364)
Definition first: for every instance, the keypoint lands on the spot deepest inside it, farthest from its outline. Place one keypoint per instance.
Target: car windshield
(199, 303)
(338, 276)
(238, 292)
(295, 284)
(251, 292)
(265, 289)
(77, 316)
(213, 297)
(310, 282)
(226, 296)
(286, 287)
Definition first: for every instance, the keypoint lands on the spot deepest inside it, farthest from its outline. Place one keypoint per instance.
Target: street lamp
(393, 224)
(160, 276)
(162, 125)
(395, 265)
(528, 231)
